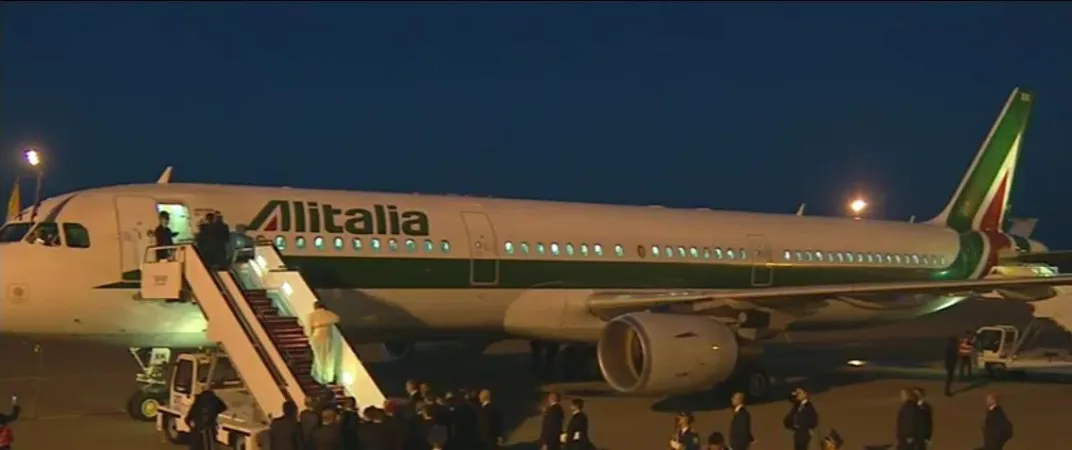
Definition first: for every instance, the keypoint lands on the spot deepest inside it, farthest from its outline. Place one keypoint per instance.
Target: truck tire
(171, 431)
(143, 405)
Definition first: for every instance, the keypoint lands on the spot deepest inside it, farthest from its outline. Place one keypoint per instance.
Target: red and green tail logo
(982, 198)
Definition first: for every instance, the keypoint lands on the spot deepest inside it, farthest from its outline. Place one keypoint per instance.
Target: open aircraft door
(762, 273)
(137, 219)
(483, 249)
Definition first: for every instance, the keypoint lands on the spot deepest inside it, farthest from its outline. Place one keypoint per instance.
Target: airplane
(656, 299)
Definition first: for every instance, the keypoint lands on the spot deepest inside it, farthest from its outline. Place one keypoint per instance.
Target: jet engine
(401, 350)
(653, 353)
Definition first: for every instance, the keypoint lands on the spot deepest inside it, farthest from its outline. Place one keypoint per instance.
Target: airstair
(254, 311)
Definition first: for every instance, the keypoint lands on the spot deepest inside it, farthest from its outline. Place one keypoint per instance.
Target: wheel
(171, 431)
(142, 405)
(753, 382)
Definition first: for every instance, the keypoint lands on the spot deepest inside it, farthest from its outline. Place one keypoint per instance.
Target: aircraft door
(137, 219)
(762, 273)
(483, 249)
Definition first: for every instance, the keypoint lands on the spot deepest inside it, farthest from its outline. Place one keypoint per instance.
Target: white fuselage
(444, 267)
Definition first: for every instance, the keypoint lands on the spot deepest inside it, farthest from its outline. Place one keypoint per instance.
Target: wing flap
(624, 300)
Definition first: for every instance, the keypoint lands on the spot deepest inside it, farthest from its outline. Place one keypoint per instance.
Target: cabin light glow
(856, 363)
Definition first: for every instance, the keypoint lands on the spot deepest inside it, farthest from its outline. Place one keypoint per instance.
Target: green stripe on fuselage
(354, 272)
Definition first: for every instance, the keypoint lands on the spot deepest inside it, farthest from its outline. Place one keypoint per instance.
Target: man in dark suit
(952, 350)
(925, 428)
(997, 429)
(551, 429)
(489, 423)
(907, 421)
(741, 424)
(284, 433)
(576, 435)
(802, 419)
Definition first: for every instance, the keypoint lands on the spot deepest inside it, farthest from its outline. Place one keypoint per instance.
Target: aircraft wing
(626, 300)
(1052, 258)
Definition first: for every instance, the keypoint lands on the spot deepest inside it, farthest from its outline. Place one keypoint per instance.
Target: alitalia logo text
(312, 217)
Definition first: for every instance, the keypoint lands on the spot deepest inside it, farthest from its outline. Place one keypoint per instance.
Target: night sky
(731, 106)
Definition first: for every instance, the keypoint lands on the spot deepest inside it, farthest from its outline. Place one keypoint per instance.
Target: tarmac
(73, 393)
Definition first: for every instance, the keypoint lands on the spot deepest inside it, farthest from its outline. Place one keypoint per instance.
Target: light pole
(33, 158)
(858, 206)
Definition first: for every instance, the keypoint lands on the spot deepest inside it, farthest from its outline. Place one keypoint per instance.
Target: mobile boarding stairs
(256, 311)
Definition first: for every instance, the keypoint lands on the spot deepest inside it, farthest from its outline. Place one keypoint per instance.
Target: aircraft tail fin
(14, 203)
(981, 200)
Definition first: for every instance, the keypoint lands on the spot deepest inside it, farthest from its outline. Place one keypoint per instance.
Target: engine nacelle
(401, 350)
(666, 353)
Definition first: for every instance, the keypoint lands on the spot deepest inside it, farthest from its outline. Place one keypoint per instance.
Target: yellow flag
(14, 204)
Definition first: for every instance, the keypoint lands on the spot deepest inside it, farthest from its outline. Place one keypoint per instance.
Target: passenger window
(411, 246)
(619, 250)
(669, 251)
(584, 249)
(694, 252)
(338, 243)
(525, 248)
(681, 252)
(706, 253)
(357, 244)
(429, 246)
(554, 248)
(718, 253)
(729, 253)
(375, 244)
(539, 248)
(787, 255)
(848, 257)
(47, 234)
(280, 242)
(597, 249)
(509, 247)
(655, 250)
(743, 253)
(444, 246)
(76, 235)
(392, 244)
(569, 249)
(299, 243)
(318, 242)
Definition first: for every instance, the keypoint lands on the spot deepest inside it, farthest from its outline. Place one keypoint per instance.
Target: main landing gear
(749, 378)
(571, 362)
(154, 362)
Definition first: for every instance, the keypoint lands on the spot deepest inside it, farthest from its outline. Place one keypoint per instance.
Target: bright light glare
(32, 157)
(857, 206)
(856, 363)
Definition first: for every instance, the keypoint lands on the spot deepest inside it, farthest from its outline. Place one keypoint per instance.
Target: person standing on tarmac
(202, 418)
(741, 424)
(965, 351)
(925, 428)
(685, 438)
(576, 435)
(907, 421)
(952, 353)
(309, 420)
(997, 428)
(7, 437)
(551, 428)
(802, 420)
(284, 433)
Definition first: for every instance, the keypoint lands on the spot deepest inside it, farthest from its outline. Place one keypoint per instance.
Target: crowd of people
(462, 420)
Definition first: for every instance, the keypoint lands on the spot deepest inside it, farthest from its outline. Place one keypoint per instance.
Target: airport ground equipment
(256, 311)
(242, 427)
(1007, 350)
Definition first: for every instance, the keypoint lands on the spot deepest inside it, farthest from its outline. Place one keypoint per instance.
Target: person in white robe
(322, 337)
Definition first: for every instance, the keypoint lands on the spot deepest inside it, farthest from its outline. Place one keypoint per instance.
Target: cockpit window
(14, 232)
(46, 233)
(77, 235)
